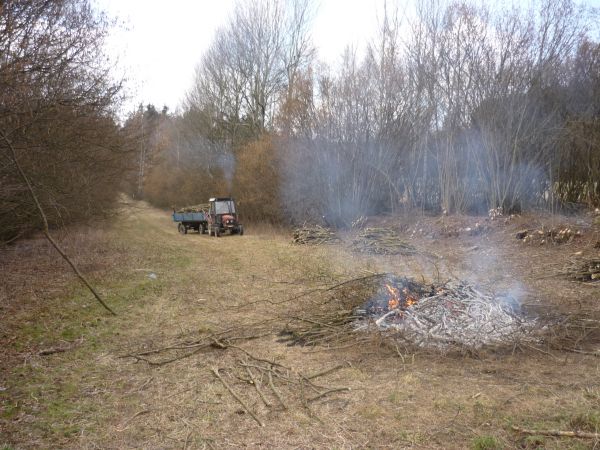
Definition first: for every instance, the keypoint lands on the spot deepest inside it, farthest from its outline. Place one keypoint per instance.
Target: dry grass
(90, 397)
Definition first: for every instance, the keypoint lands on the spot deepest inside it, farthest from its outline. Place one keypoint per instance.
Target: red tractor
(222, 216)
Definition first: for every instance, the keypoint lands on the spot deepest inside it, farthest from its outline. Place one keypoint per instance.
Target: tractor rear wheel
(181, 228)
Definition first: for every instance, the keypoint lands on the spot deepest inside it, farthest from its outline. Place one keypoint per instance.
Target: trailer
(194, 220)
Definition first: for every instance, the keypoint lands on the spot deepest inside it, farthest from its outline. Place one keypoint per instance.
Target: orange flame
(394, 300)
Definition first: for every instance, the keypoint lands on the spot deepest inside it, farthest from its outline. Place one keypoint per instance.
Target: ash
(457, 315)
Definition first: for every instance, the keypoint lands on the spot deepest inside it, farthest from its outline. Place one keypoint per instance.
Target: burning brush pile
(453, 315)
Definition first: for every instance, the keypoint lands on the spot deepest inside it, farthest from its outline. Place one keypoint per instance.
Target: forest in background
(454, 106)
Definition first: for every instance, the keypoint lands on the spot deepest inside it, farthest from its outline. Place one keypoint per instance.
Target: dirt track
(171, 289)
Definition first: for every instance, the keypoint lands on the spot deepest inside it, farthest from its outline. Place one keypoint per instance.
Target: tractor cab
(222, 216)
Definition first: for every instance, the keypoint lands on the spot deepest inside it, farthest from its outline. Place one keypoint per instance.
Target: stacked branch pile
(382, 241)
(548, 235)
(314, 235)
(586, 271)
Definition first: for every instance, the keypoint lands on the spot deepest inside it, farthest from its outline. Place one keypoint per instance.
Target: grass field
(66, 380)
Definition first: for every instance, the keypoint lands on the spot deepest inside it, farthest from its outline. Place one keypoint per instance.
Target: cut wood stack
(314, 235)
(382, 241)
(586, 271)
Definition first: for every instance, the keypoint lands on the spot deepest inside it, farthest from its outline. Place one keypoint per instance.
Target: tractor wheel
(181, 228)
(241, 230)
(202, 228)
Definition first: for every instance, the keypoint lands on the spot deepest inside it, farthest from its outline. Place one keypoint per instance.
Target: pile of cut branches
(545, 235)
(330, 319)
(578, 332)
(585, 270)
(203, 207)
(452, 316)
(333, 327)
(382, 241)
(459, 315)
(276, 386)
(314, 235)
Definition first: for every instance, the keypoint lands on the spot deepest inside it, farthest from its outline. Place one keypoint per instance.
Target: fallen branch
(255, 383)
(225, 345)
(330, 391)
(582, 352)
(195, 347)
(277, 394)
(560, 433)
(324, 372)
(128, 421)
(215, 371)
(53, 350)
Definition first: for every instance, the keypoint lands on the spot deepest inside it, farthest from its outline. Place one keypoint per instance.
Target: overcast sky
(160, 42)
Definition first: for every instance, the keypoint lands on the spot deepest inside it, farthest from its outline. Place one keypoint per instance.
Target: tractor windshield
(224, 207)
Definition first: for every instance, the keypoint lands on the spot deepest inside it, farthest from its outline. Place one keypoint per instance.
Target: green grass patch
(586, 421)
(534, 442)
(486, 443)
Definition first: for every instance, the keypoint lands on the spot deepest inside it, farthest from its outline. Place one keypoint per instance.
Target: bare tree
(63, 155)
(461, 106)
(252, 64)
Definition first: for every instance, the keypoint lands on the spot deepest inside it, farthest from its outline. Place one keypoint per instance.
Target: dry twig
(257, 387)
(215, 371)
